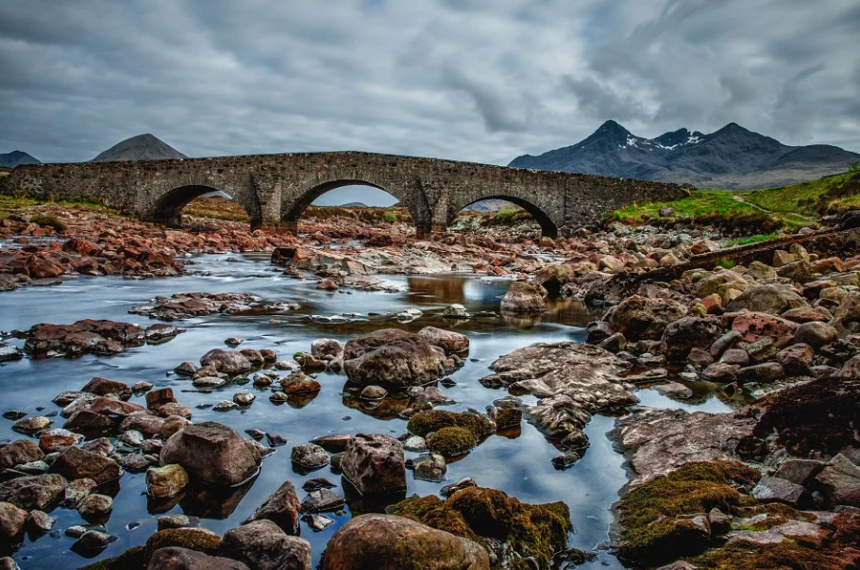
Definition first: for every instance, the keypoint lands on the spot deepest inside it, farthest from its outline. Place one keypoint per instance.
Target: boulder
(20, 451)
(309, 456)
(177, 558)
(282, 508)
(326, 349)
(524, 297)
(230, 362)
(766, 372)
(387, 542)
(684, 334)
(103, 387)
(262, 545)
(776, 490)
(815, 334)
(450, 342)
(52, 440)
(75, 463)
(721, 283)
(840, 480)
(374, 463)
(644, 318)
(755, 326)
(212, 453)
(12, 521)
(796, 359)
(33, 492)
(165, 482)
(392, 357)
(771, 299)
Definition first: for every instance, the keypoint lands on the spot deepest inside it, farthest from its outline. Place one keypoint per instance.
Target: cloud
(465, 80)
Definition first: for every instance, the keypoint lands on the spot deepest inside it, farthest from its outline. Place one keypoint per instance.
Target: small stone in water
(225, 406)
(141, 386)
(275, 440)
(14, 415)
(449, 490)
(318, 522)
(317, 483)
(176, 521)
(76, 531)
(234, 341)
(256, 434)
(448, 382)
(565, 461)
(132, 525)
(244, 398)
(278, 397)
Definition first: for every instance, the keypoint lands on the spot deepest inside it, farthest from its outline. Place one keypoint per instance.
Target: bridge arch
(415, 203)
(548, 227)
(168, 207)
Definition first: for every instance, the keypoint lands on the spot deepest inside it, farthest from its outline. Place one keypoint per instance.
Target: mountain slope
(732, 157)
(141, 147)
(16, 157)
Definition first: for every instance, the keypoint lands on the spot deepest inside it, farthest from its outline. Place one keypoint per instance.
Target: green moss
(833, 554)
(430, 421)
(131, 559)
(451, 442)
(758, 238)
(653, 515)
(48, 221)
(190, 538)
(477, 514)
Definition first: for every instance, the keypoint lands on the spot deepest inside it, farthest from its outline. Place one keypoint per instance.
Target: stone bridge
(275, 189)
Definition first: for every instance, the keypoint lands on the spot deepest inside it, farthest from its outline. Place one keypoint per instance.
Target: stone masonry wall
(275, 189)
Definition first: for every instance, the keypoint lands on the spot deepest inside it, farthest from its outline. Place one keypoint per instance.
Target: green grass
(700, 203)
(808, 198)
(727, 263)
(752, 239)
(766, 209)
(8, 203)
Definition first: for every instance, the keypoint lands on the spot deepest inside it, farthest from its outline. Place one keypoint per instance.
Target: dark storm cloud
(464, 79)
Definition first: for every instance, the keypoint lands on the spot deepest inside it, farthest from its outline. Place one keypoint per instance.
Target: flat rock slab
(656, 442)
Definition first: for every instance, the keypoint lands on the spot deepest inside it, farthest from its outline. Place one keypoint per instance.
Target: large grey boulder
(262, 545)
(212, 453)
(392, 357)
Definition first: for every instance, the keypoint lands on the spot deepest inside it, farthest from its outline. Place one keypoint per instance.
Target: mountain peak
(730, 158)
(140, 147)
(16, 157)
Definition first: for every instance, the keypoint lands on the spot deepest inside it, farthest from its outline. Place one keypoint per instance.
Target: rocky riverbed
(279, 402)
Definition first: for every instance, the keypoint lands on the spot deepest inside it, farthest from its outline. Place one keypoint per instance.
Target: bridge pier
(282, 227)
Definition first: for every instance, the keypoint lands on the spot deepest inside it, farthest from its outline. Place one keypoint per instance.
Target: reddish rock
(450, 342)
(103, 387)
(282, 507)
(178, 558)
(20, 451)
(77, 463)
(212, 453)
(755, 326)
(392, 357)
(374, 464)
(388, 542)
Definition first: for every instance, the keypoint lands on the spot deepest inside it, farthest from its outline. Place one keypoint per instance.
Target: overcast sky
(470, 80)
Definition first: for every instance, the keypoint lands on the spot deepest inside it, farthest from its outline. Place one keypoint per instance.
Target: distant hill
(141, 147)
(354, 205)
(730, 158)
(490, 205)
(16, 157)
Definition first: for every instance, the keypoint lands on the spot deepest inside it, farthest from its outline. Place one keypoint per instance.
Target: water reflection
(518, 462)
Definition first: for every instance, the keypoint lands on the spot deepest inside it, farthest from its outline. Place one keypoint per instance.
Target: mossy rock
(191, 538)
(655, 517)
(430, 421)
(837, 553)
(478, 514)
(451, 442)
(132, 559)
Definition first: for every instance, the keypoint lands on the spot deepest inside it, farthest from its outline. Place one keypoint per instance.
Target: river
(520, 466)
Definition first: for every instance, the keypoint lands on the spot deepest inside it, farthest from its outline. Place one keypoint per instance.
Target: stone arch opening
(168, 209)
(294, 211)
(547, 226)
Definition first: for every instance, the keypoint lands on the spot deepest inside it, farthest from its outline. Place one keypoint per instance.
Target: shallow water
(519, 466)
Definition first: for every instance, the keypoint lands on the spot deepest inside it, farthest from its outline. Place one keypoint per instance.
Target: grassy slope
(794, 205)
